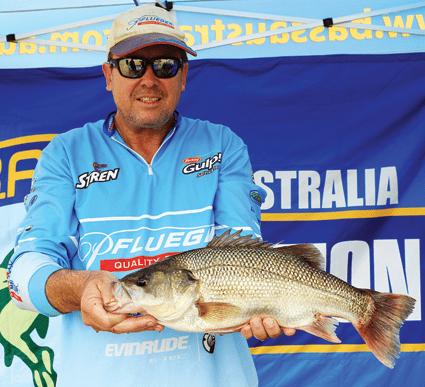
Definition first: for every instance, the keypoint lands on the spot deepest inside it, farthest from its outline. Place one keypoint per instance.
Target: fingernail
(269, 324)
(111, 302)
(150, 324)
(256, 323)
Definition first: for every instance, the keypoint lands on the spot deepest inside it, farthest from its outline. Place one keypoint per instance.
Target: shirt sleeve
(48, 237)
(237, 203)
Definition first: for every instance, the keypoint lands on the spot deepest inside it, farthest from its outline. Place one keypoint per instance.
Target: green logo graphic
(16, 325)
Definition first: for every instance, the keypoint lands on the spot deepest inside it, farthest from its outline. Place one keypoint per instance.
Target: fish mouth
(127, 300)
(120, 308)
(122, 295)
(119, 290)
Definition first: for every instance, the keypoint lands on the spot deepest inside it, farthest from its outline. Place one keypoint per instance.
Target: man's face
(146, 102)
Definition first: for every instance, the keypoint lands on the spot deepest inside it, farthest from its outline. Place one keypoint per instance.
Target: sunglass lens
(165, 68)
(132, 68)
(135, 68)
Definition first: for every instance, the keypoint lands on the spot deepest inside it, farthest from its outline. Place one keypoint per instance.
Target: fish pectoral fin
(323, 327)
(215, 312)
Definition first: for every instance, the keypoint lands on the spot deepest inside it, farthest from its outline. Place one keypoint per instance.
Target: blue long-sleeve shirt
(97, 205)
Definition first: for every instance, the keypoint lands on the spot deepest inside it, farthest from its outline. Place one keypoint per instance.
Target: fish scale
(219, 288)
(244, 277)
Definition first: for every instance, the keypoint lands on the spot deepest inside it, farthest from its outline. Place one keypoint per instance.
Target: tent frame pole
(305, 24)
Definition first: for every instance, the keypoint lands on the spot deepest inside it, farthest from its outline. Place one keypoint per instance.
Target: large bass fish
(217, 289)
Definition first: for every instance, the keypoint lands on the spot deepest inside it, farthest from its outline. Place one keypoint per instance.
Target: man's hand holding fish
(264, 328)
(91, 293)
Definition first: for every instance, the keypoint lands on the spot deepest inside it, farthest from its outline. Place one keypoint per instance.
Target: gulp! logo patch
(196, 165)
(97, 176)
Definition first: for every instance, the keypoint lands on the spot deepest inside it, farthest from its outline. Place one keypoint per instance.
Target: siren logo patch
(149, 19)
(96, 176)
(202, 168)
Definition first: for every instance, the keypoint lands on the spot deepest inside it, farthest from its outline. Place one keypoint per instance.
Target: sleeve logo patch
(255, 197)
(13, 290)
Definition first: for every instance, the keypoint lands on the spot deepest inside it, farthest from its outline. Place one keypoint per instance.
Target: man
(121, 193)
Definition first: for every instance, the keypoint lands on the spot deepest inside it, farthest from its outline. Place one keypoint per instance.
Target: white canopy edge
(305, 23)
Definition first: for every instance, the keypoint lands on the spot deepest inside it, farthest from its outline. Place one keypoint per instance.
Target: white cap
(142, 26)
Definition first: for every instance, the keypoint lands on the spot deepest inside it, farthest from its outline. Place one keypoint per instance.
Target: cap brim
(137, 42)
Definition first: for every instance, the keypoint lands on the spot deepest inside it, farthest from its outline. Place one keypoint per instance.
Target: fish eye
(143, 281)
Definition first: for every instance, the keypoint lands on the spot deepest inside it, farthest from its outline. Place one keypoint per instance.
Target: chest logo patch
(201, 167)
(97, 176)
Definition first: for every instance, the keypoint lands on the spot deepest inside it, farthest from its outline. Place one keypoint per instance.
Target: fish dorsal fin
(307, 253)
(235, 240)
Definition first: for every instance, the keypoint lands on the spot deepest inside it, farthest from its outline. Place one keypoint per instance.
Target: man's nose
(149, 77)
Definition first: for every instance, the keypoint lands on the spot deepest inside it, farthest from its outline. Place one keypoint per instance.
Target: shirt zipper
(150, 170)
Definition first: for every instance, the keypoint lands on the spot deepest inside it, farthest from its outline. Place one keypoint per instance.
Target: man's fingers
(258, 329)
(97, 294)
(246, 331)
(264, 328)
(103, 282)
(137, 324)
(272, 327)
(288, 331)
(95, 316)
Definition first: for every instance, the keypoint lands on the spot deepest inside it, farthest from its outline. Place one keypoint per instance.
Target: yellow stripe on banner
(311, 216)
(327, 348)
(26, 140)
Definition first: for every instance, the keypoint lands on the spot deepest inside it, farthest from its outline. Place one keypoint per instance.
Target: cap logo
(149, 19)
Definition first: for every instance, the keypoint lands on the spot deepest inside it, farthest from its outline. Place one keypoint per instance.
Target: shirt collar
(108, 125)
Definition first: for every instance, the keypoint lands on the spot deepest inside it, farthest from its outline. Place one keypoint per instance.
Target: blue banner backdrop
(338, 142)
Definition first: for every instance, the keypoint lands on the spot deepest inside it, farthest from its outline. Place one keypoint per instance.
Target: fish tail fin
(381, 330)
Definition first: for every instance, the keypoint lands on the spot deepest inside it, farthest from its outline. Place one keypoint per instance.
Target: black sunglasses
(136, 67)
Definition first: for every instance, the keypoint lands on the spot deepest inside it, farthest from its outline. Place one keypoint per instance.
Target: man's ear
(184, 75)
(107, 71)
